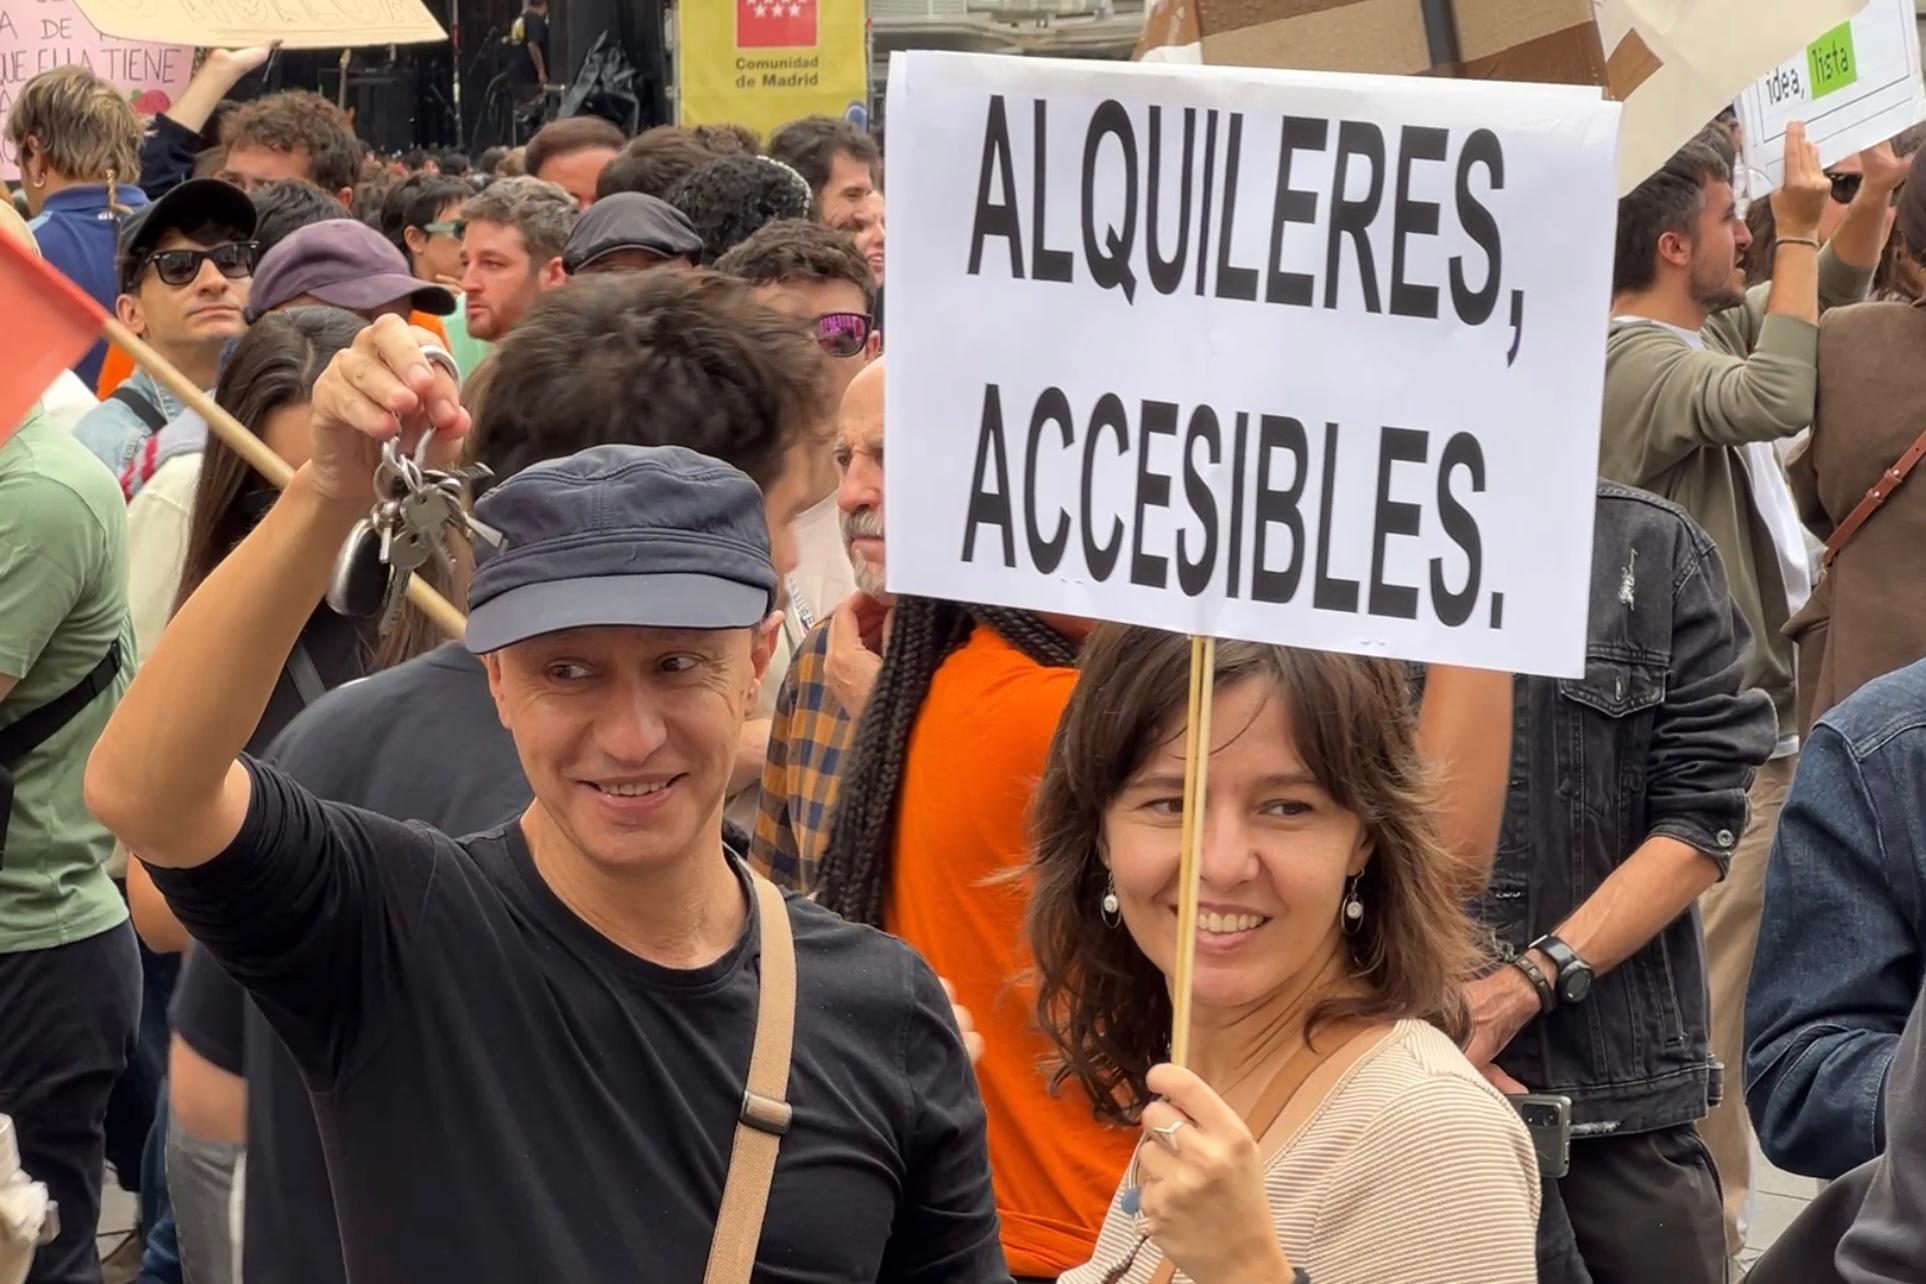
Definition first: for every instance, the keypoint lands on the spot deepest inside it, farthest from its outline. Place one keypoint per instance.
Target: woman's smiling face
(1275, 854)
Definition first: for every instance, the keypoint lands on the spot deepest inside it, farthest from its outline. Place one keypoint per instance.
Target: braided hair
(855, 873)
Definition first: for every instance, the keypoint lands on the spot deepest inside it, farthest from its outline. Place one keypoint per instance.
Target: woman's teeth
(1225, 924)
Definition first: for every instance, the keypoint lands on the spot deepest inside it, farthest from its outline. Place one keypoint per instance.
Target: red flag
(65, 322)
(775, 24)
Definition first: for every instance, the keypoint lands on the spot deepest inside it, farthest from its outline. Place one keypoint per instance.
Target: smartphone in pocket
(1548, 1119)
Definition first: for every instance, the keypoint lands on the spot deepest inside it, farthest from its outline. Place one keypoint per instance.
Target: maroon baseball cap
(345, 262)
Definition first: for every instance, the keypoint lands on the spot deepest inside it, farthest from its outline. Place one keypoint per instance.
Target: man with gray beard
(835, 665)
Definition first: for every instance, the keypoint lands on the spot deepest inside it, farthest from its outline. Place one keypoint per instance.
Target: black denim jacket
(1656, 739)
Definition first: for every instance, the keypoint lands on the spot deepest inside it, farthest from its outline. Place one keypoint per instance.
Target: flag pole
(1203, 684)
(264, 461)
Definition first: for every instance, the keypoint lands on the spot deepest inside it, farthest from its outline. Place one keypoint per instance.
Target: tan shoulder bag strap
(765, 1113)
(1874, 498)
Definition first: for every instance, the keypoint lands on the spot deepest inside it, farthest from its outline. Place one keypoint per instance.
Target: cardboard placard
(764, 63)
(1674, 63)
(39, 35)
(1289, 356)
(1854, 87)
(297, 24)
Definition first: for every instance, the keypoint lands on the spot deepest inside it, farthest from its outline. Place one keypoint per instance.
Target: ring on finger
(1167, 1134)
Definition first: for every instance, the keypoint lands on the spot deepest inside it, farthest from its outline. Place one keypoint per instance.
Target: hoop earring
(1110, 908)
(1353, 912)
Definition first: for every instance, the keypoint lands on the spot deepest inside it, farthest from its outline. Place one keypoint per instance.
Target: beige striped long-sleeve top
(1413, 1170)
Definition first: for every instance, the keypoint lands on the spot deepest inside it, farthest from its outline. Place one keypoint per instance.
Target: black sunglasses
(176, 268)
(841, 334)
(1845, 186)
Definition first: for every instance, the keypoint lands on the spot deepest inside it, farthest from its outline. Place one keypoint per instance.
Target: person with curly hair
(294, 134)
(729, 199)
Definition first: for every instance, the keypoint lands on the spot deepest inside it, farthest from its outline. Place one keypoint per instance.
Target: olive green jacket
(1676, 416)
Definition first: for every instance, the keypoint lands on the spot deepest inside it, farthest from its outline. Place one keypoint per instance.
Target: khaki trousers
(1730, 911)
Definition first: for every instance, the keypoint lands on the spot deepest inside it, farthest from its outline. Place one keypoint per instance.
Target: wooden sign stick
(263, 460)
(1203, 685)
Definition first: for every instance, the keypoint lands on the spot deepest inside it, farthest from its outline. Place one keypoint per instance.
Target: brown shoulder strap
(765, 1114)
(1882, 490)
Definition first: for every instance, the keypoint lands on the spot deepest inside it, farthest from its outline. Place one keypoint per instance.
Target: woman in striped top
(1328, 1127)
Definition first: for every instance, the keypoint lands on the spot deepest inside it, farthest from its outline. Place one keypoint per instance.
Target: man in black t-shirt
(527, 1049)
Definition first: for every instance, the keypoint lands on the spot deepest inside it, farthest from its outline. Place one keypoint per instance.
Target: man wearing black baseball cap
(631, 232)
(185, 265)
(539, 1052)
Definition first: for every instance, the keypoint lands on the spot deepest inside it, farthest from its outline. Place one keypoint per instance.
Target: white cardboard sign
(1854, 87)
(1288, 356)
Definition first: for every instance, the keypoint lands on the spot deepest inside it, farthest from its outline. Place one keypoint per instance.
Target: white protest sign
(1288, 356)
(1854, 87)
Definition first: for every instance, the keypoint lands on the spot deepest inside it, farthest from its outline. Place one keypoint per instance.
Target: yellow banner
(764, 63)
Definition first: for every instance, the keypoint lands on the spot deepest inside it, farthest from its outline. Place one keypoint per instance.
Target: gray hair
(541, 211)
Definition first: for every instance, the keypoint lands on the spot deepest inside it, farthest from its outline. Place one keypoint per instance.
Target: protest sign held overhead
(1287, 356)
(1854, 87)
(39, 35)
(297, 24)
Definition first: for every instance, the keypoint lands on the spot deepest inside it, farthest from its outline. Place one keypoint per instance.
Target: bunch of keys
(415, 508)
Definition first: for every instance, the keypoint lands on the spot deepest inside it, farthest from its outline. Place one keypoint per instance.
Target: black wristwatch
(1575, 977)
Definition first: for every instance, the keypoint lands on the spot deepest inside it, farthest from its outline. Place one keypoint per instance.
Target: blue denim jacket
(1842, 941)
(113, 432)
(1656, 739)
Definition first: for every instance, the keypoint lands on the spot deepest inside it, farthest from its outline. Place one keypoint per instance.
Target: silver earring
(1111, 907)
(1353, 905)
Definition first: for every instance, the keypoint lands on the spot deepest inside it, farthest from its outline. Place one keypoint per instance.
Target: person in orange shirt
(932, 819)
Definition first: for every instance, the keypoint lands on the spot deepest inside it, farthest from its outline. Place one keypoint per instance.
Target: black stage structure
(406, 96)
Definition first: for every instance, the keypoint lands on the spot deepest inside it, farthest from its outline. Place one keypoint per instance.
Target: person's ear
(1361, 854)
(874, 348)
(128, 310)
(762, 644)
(553, 274)
(492, 662)
(1675, 249)
(416, 239)
(346, 197)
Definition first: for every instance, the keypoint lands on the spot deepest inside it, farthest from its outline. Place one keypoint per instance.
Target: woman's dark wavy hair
(1105, 1006)
(854, 877)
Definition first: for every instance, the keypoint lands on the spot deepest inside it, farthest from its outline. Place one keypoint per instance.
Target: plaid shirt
(807, 736)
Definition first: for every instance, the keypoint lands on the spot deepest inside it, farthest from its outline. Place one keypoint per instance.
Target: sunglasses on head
(176, 268)
(841, 334)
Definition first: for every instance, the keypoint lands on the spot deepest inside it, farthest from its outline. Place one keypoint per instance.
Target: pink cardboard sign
(39, 35)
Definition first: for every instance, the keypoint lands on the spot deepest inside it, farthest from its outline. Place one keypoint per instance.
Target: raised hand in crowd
(384, 385)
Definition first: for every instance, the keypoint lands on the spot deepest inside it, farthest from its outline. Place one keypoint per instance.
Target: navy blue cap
(637, 536)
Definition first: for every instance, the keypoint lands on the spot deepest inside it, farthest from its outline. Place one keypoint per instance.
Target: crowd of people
(707, 910)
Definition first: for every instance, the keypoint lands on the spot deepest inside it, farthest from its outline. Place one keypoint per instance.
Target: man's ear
(127, 309)
(762, 643)
(492, 662)
(874, 348)
(346, 197)
(1675, 249)
(553, 274)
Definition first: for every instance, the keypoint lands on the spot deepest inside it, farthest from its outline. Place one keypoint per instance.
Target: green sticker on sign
(1831, 63)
